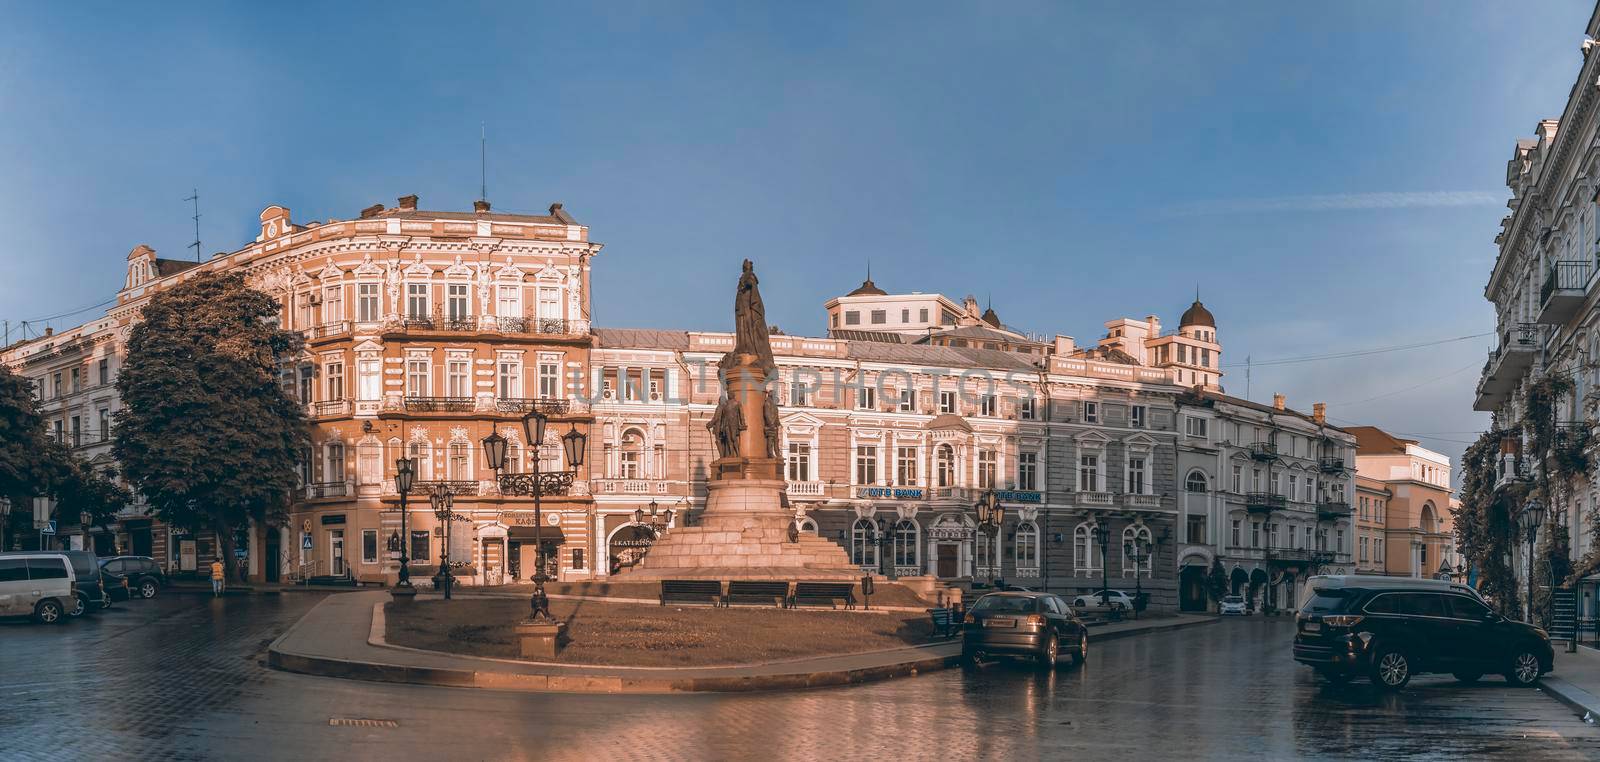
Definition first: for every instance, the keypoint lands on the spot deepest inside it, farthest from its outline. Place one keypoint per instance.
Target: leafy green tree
(206, 434)
(90, 491)
(1217, 581)
(30, 462)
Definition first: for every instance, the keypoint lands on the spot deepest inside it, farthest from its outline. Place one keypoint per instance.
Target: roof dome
(868, 288)
(1197, 314)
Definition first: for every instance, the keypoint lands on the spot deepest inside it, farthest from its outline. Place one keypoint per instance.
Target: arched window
(1086, 549)
(944, 466)
(1027, 548)
(1136, 532)
(1430, 520)
(631, 455)
(806, 524)
(1196, 482)
(987, 547)
(905, 543)
(863, 551)
(421, 463)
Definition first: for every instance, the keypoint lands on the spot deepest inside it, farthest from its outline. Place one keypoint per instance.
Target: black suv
(1389, 629)
(143, 575)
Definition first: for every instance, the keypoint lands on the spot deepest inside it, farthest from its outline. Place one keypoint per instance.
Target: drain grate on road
(358, 722)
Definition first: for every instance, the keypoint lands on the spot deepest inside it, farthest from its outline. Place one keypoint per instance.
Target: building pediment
(948, 421)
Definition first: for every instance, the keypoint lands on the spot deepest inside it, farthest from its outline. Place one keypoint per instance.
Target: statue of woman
(750, 321)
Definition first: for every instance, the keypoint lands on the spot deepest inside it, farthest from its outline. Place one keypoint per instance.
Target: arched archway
(1237, 581)
(1258, 588)
(628, 545)
(1192, 588)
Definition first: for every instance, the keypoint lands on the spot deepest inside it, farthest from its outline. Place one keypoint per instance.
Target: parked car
(1390, 628)
(91, 593)
(143, 575)
(1034, 625)
(1112, 600)
(1233, 605)
(41, 585)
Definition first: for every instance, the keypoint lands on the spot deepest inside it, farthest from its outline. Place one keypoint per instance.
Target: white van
(41, 586)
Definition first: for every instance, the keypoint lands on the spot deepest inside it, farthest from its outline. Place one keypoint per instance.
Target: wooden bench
(757, 593)
(823, 593)
(692, 591)
(945, 624)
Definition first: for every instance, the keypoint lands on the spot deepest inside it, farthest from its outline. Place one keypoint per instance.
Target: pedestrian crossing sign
(305, 542)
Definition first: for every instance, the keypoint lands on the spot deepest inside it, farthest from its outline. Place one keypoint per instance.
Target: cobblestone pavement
(178, 678)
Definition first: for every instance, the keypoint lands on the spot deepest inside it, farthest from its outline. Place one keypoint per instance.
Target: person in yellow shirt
(216, 578)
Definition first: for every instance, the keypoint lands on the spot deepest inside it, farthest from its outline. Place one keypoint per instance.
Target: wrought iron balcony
(521, 405)
(420, 322)
(508, 324)
(1332, 510)
(438, 404)
(1508, 364)
(330, 329)
(546, 484)
(1263, 451)
(326, 489)
(1264, 502)
(455, 486)
(1332, 465)
(459, 323)
(1563, 292)
(329, 408)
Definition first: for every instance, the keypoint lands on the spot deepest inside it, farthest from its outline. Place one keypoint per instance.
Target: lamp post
(880, 536)
(1139, 549)
(657, 523)
(403, 475)
(444, 510)
(534, 483)
(990, 516)
(1100, 535)
(1531, 517)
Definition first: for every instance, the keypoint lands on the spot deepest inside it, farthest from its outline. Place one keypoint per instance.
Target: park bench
(945, 624)
(692, 591)
(758, 593)
(823, 593)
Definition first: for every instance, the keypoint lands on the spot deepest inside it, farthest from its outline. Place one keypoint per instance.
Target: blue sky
(1078, 161)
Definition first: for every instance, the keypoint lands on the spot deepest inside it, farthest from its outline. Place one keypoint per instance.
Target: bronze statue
(750, 321)
(725, 426)
(769, 421)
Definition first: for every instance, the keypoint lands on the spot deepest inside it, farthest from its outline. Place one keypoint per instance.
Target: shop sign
(890, 493)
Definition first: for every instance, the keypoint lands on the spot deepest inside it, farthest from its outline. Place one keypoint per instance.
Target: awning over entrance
(549, 535)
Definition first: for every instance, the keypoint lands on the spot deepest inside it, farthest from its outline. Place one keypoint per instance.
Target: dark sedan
(142, 575)
(1034, 625)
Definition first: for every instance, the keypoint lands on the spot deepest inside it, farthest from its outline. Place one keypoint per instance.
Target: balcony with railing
(1144, 502)
(807, 489)
(1564, 287)
(1332, 510)
(438, 404)
(630, 486)
(317, 490)
(1096, 498)
(1507, 365)
(524, 405)
(455, 486)
(1263, 451)
(328, 408)
(327, 330)
(1331, 465)
(1264, 502)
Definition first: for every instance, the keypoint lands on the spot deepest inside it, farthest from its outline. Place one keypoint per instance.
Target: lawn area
(623, 634)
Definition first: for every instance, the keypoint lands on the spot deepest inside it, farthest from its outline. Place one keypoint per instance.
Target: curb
(591, 683)
(1580, 701)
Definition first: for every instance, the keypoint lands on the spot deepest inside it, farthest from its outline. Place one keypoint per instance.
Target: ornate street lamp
(1100, 535)
(991, 514)
(444, 510)
(535, 483)
(403, 475)
(1139, 549)
(657, 523)
(1530, 519)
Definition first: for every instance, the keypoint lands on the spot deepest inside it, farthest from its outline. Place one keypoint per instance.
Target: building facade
(1412, 527)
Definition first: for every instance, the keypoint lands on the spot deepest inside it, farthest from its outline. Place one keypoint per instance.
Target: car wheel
(147, 589)
(1467, 677)
(1080, 656)
(49, 611)
(1052, 652)
(80, 605)
(1524, 669)
(1391, 670)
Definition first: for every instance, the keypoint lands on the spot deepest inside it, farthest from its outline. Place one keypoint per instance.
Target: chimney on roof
(1319, 412)
(371, 211)
(408, 203)
(1064, 345)
(48, 331)
(481, 206)
(1155, 325)
(1277, 402)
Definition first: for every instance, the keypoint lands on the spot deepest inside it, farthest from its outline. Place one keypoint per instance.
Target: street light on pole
(444, 510)
(1530, 519)
(534, 483)
(990, 516)
(1100, 535)
(403, 475)
(1138, 549)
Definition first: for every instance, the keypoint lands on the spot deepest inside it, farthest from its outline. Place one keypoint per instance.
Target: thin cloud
(1338, 202)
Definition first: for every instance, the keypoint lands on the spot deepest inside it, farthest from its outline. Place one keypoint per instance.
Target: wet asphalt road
(179, 678)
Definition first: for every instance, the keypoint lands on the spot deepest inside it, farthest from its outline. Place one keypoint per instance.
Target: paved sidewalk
(1576, 681)
(339, 638)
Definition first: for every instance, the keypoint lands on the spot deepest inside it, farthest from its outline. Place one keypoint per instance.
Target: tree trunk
(225, 549)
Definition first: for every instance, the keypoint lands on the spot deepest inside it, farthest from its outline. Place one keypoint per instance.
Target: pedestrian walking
(216, 578)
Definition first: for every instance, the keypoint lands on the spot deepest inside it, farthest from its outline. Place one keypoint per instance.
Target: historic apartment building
(1412, 532)
(1547, 303)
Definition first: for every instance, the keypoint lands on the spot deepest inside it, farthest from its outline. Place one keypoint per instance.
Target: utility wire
(1354, 353)
(1413, 387)
(107, 302)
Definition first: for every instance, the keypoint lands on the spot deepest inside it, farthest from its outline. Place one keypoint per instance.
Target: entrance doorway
(336, 551)
(273, 559)
(949, 560)
(142, 540)
(1192, 589)
(514, 559)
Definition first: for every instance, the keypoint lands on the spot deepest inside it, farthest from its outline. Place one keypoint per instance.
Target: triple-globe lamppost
(991, 514)
(444, 501)
(535, 483)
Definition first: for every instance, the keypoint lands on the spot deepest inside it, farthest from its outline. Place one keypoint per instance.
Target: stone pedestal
(539, 640)
(403, 596)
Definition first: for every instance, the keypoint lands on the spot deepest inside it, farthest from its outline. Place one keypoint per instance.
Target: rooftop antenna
(483, 161)
(1247, 376)
(195, 197)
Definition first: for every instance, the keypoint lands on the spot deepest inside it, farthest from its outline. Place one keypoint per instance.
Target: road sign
(240, 552)
(305, 542)
(49, 527)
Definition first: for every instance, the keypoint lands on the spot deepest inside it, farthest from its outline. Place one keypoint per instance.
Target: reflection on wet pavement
(177, 678)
